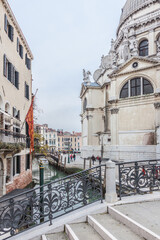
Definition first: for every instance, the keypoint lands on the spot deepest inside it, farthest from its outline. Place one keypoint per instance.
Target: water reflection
(50, 172)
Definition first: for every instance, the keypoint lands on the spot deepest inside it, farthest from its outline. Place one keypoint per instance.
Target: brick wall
(21, 180)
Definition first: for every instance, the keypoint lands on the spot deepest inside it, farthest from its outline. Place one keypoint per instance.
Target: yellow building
(69, 141)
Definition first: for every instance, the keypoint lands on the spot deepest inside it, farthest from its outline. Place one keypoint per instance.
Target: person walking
(93, 159)
(74, 156)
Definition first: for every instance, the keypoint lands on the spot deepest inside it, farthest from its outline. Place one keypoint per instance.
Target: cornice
(115, 74)
(12, 16)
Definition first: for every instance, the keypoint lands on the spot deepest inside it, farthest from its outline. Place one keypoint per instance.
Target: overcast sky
(65, 36)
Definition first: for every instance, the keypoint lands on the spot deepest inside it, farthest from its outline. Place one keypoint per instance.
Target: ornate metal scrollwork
(139, 177)
(50, 201)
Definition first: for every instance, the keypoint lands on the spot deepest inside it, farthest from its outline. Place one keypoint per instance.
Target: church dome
(132, 6)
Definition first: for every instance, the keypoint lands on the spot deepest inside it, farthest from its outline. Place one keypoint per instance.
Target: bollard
(84, 166)
(111, 195)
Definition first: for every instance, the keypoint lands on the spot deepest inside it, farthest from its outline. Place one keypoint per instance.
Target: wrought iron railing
(138, 177)
(50, 201)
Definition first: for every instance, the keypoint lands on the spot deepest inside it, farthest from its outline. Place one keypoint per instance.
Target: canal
(50, 172)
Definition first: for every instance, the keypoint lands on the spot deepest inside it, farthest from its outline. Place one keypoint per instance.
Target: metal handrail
(124, 163)
(55, 181)
(42, 204)
(138, 177)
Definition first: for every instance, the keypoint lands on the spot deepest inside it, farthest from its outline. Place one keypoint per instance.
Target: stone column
(157, 122)
(111, 195)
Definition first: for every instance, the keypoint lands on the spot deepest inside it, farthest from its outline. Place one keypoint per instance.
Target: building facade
(120, 113)
(49, 136)
(69, 141)
(15, 100)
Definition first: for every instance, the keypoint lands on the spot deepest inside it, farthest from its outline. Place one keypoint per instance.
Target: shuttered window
(26, 90)
(17, 79)
(8, 28)
(10, 73)
(5, 23)
(19, 48)
(27, 62)
(10, 32)
(16, 165)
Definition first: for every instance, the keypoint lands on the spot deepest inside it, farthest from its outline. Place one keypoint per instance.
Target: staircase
(112, 225)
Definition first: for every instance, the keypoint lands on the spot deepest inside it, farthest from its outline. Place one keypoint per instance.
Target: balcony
(10, 130)
(8, 136)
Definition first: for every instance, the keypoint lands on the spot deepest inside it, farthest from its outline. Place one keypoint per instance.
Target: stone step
(55, 236)
(132, 224)
(82, 231)
(146, 214)
(107, 226)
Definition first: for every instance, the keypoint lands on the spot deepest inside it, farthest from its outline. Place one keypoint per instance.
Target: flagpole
(26, 114)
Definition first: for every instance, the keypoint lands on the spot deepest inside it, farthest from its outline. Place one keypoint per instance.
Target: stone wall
(122, 153)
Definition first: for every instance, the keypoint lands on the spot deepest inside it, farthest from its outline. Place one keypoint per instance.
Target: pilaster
(114, 125)
(157, 122)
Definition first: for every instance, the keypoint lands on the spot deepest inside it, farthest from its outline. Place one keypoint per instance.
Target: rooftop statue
(86, 75)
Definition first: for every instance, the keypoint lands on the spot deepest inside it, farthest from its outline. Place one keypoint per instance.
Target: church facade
(120, 113)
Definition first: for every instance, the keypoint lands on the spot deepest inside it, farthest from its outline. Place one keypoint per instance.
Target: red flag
(29, 120)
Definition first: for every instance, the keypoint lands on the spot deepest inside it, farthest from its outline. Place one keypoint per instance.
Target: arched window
(136, 87)
(124, 91)
(147, 87)
(143, 48)
(84, 104)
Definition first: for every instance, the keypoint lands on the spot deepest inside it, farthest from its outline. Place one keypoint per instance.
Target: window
(124, 91)
(16, 113)
(8, 28)
(19, 48)
(27, 162)
(84, 104)
(16, 165)
(7, 107)
(136, 87)
(26, 90)
(147, 87)
(143, 48)
(10, 73)
(28, 62)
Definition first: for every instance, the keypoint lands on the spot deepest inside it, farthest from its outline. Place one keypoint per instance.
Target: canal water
(50, 172)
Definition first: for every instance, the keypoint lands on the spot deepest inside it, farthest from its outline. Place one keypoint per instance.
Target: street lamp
(68, 150)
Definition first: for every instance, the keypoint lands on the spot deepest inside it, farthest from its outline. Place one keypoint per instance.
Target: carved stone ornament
(133, 46)
(114, 111)
(89, 117)
(157, 105)
(158, 46)
(86, 75)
